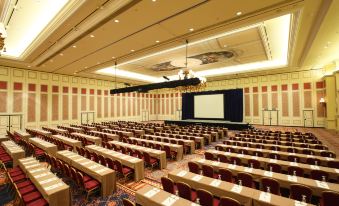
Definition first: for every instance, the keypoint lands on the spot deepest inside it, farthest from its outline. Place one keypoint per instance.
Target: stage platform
(214, 123)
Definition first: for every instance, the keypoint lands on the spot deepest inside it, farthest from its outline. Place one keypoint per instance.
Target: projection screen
(209, 106)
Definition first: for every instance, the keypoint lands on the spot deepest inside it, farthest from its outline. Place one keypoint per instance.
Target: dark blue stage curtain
(233, 104)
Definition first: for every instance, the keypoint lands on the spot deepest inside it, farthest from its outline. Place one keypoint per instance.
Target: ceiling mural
(199, 59)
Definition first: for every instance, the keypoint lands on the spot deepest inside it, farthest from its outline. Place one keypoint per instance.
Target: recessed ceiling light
(85, 67)
(132, 50)
(191, 29)
(74, 46)
(116, 20)
(61, 54)
(326, 47)
(239, 13)
(91, 35)
(113, 57)
(157, 41)
(98, 62)
(225, 45)
(154, 0)
(28, 66)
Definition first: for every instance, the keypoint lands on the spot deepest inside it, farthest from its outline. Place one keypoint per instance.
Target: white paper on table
(259, 149)
(265, 196)
(231, 166)
(254, 157)
(86, 163)
(274, 151)
(194, 204)
(41, 175)
(329, 158)
(216, 163)
(37, 170)
(197, 178)
(215, 183)
(234, 146)
(152, 192)
(101, 170)
(248, 169)
(314, 167)
(236, 188)
(268, 174)
(240, 155)
(273, 160)
(292, 178)
(27, 159)
(48, 180)
(201, 160)
(336, 170)
(30, 162)
(54, 186)
(322, 184)
(94, 166)
(293, 164)
(30, 166)
(310, 155)
(73, 155)
(170, 200)
(298, 203)
(182, 173)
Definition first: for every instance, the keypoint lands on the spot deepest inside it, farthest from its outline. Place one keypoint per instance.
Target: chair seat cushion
(18, 178)
(13, 174)
(31, 196)
(38, 202)
(153, 160)
(91, 184)
(87, 178)
(193, 195)
(27, 189)
(15, 169)
(126, 170)
(24, 184)
(216, 202)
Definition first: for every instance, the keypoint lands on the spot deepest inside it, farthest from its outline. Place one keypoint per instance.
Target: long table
(14, 150)
(333, 173)
(181, 136)
(72, 142)
(174, 147)
(53, 189)
(284, 180)
(44, 145)
(284, 155)
(132, 162)
(22, 134)
(161, 155)
(245, 195)
(190, 143)
(109, 136)
(208, 137)
(125, 133)
(104, 175)
(149, 195)
(42, 132)
(96, 140)
(3, 138)
(55, 130)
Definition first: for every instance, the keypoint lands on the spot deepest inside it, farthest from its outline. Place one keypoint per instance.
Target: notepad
(197, 178)
(170, 200)
(230, 166)
(41, 175)
(336, 170)
(152, 192)
(182, 173)
(322, 184)
(240, 155)
(310, 155)
(236, 188)
(30, 162)
(54, 186)
(215, 183)
(37, 170)
(93, 166)
(234, 146)
(86, 163)
(259, 149)
(298, 203)
(265, 196)
(268, 174)
(30, 166)
(216, 163)
(314, 167)
(48, 180)
(292, 178)
(248, 169)
(201, 160)
(293, 164)
(273, 161)
(254, 157)
(227, 153)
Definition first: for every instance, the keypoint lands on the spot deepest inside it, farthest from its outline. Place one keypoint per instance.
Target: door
(4, 124)
(266, 117)
(308, 118)
(10, 122)
(274, 117)
(87, 117)
(15, 122)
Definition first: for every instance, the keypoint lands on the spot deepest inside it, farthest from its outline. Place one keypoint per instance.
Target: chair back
(110, 163)
(127, 202)
(167, 150)
(235, 160)
(293, 158)
(118, 166)
(333, 164)
(254, 163)
(102, 160)
(209, 156)
(227, 201)
(167, 184)
(222, 158)
(184, 191)
(274, 156)
(226, 175)
(246, 179)
(206, 198)
(319, 175)
(298, 192)
(271, 184)
(312, 161)
(147, 157)
(328, 198)
(274, 167)
(207, 171)
(294, 170)
(193, 167)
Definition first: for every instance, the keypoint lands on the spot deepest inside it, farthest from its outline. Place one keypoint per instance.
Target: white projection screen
(209, 106)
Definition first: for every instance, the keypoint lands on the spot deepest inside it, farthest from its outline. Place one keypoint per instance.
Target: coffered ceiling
(86, 36)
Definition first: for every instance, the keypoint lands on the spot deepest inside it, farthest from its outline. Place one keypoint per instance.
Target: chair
(208, 171)
(258, 154)
(150, 160)
(292, 150)
(219, 148)
(193, 167)
(274, 156)
(123, 170)
(293, 170)
(185, 192)
(243, 151)
(272, 184)
(235, 160)
(313, 161)
(254, 164)
(127, 202)
(293, 158)
(273, 167)
(139, 154)
(168, 185)
(227, 201)
(226, 175)
(327, 154)
(90, 186)
(206, 198)
(209, 156)
(333, 164)
(170, 154)
(246, 179)
(328, 198)
(222, 158)
(187, 148)
(319, 175)
(300, 192)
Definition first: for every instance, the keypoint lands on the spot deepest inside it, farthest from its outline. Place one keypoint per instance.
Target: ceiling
(86, 36)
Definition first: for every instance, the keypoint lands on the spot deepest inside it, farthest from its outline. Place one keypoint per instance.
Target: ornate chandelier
(188, 74)
(3, 35)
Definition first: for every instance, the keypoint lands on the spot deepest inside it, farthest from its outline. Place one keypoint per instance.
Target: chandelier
(3, 35)
(189, 74)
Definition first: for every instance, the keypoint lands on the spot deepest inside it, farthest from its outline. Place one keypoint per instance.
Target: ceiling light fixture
(132, 50)
(113, 57)
(239, 13)
(157, 41)
(74, 46)
(28, 66)
(116, 21)
(92, 36)
(61, 54)
(191, 29)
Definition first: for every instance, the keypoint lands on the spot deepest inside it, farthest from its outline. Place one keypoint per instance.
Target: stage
(215, 123)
